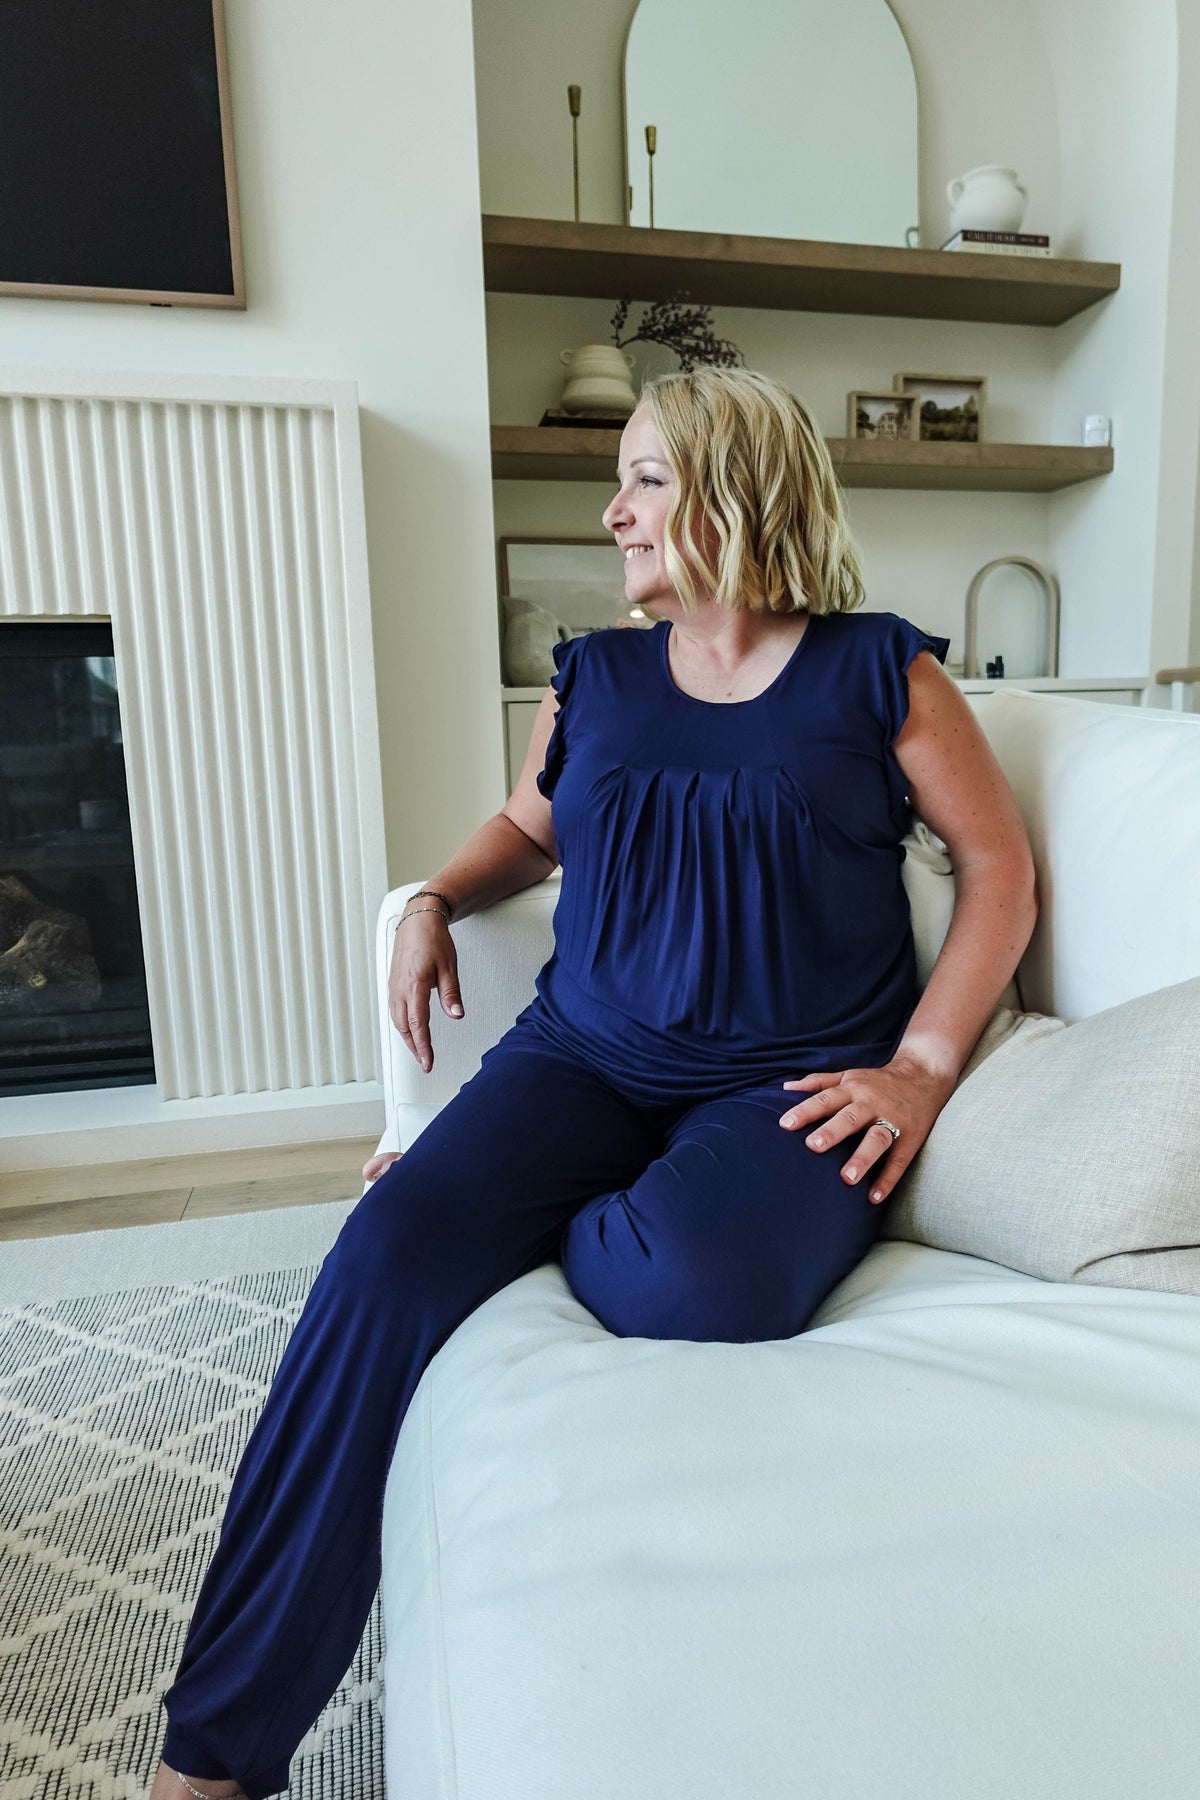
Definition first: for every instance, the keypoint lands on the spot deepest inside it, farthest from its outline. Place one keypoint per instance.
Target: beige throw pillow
(1072, 1153)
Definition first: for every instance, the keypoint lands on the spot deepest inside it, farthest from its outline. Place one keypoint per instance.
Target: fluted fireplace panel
(224, 540)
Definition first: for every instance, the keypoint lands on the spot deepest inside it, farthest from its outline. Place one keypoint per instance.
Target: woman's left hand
(904, 1091)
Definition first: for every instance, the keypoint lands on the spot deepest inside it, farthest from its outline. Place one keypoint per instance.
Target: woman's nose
(615, 513)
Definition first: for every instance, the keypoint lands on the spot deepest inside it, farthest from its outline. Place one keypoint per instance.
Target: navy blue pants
(707, 1222)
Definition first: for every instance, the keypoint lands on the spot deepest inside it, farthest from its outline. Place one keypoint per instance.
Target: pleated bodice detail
(732, 904)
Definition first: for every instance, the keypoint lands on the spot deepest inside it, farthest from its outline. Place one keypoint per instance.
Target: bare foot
(168, 1786)
(373, 1170)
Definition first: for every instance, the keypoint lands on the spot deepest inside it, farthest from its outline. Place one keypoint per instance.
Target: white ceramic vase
(598, 380)
(986, 199)
(530, 634)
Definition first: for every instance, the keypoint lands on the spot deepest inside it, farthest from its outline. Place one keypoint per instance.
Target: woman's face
(637, 514)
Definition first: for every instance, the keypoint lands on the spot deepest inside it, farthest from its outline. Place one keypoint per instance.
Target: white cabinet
(1115, 690)
(518, 728)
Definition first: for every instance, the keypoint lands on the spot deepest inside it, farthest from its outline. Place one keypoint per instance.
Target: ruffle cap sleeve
(566, 666)
(902, 644)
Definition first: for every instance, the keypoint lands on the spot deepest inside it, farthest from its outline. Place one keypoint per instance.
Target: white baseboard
(125, 1124)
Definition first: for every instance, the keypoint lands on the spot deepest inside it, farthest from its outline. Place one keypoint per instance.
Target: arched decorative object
(770, 120)
(1049, 586)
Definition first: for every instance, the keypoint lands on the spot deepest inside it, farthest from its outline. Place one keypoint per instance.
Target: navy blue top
(732, 908)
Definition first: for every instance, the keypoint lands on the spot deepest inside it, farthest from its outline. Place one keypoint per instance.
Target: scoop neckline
(725, 705)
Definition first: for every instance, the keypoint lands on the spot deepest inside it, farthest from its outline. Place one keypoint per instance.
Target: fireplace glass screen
(73, 1010)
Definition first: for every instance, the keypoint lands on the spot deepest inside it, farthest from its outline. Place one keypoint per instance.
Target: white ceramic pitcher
(598, 380)
(986, 199)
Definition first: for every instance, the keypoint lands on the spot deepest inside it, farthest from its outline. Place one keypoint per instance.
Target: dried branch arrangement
(681, 327)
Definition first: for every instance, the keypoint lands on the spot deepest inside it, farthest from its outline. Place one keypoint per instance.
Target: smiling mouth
(636, 550)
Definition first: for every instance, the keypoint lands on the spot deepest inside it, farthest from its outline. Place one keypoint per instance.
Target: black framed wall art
(116, 153)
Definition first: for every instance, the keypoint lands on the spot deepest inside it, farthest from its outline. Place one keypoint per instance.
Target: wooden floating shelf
(556, 453)
(558, 256)
(973, 468)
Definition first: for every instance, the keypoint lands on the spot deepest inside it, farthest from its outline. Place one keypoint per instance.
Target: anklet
(196, 1792)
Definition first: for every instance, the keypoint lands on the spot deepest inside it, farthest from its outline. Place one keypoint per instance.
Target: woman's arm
(515, 847)
(959, 789)
(510, 851)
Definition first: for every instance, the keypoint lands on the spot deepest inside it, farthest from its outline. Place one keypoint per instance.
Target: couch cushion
(942, 1544)
(1072, 1154)
(1109, 797)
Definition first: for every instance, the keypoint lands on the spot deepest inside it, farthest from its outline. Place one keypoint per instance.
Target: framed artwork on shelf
(552, 589)
(580, 581)
(949, 407)
(883, 416)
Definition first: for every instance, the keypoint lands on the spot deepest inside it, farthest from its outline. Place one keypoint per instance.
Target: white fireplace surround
(219, 524)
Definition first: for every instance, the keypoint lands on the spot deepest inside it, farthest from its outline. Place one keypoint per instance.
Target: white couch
(943, 1545)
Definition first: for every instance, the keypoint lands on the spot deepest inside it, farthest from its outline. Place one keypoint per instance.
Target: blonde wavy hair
(752, 471)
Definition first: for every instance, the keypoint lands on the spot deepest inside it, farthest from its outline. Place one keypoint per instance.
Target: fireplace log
(46, 959)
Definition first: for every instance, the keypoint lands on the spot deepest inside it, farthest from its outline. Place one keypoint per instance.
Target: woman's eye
(650, 481)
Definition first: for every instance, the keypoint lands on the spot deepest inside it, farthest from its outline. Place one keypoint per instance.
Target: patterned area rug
(122, 1419)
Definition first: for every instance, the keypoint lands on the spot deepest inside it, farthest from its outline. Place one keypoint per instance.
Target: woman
(733, 970)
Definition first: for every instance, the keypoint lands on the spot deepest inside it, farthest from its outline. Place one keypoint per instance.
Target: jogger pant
(705, 1222)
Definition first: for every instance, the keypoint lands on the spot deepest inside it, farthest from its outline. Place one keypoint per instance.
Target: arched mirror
(773, 118)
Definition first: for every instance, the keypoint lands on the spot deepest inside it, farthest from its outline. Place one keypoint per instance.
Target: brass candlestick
(574, 95)
(651, 147)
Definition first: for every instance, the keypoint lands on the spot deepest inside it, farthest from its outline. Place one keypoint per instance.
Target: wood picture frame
(581, 580)
(85, 212)
(961, 395)
(881, 415)
(578, 581)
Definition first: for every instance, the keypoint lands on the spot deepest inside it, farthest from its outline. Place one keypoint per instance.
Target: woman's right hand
(423, 959)
(376, 1165)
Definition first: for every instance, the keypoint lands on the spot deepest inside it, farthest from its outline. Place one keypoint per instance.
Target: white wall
(1178, 567)
(986, 95)
(358, 179)
(920, 550)
(1116, 72)
(985, 90)
(1079, 96)
(527, 52)
(1194, 642)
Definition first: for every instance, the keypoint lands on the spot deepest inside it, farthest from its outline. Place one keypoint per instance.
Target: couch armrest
(500, 951)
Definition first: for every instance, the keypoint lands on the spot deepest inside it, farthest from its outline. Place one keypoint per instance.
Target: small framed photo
(882, 416)
(949, 407)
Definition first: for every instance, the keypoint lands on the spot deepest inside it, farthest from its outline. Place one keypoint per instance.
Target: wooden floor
(51, 1202)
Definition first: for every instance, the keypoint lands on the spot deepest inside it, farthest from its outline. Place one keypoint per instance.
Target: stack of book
(1000, 243)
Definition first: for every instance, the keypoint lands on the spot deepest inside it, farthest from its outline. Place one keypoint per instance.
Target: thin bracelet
(421, 909)
(199, 1794)
(432, 894)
